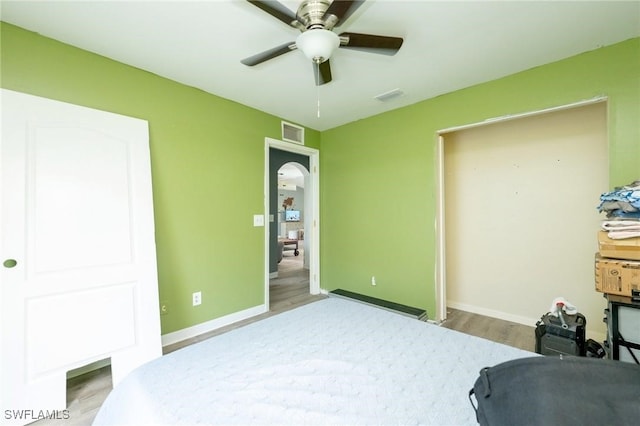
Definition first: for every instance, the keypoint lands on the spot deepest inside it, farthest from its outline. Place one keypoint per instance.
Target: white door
(78, 274)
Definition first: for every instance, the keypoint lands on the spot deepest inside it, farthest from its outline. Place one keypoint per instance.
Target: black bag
(594, 349)
(552, 338)
(558, 391)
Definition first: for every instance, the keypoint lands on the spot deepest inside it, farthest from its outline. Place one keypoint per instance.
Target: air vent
(292, 133)
(387, 96)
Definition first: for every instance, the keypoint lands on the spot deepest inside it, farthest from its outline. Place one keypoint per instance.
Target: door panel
(77, 217)
(80, 195)
(56, 339)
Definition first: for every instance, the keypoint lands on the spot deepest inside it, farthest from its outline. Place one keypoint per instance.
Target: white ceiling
(289, 174)
(448, 45)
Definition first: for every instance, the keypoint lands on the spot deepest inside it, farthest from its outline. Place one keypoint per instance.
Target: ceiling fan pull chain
(318, 88)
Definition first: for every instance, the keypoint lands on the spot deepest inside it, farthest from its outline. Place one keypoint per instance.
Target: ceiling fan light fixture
(318, 44)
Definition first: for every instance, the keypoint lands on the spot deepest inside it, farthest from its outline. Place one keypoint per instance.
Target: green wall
(378, 174)
(378, 192)
(207, 169)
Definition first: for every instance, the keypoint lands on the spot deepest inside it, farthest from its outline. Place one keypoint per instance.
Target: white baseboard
(493, 313)
(593, 334)
(205, 327)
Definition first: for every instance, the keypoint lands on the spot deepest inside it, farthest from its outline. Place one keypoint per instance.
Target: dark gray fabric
(558, 391)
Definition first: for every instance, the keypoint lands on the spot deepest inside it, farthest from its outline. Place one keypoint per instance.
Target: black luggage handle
(624, 342)
(487, 390)
(471, 392)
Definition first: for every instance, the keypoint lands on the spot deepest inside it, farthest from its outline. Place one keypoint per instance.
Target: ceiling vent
(292, 133)
(387, 96)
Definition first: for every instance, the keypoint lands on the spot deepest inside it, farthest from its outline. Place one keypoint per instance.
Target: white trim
(523, 114)
(314, 190)
(286, 146)
(493, 313)
(440, 269)
(214, 324)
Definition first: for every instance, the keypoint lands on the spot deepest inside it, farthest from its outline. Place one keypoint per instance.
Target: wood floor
(86, 393)
(506, 332)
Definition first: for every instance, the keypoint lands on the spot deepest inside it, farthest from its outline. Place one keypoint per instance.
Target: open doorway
(290, 280)
(517, 198)
(292, 235)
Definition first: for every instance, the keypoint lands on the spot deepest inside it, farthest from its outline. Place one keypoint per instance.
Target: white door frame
(314, 225)
(440, 269)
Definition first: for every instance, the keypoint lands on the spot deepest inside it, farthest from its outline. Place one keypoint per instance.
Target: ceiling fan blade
(269, 54)
(371, 43)
(322, 73)
(278, 11)
(341, 10)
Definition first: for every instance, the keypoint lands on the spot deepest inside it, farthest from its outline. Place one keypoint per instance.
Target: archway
(279, 153)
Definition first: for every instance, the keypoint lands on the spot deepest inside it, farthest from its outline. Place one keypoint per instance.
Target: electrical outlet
(373, 280)
(164, 308)
(197, 298)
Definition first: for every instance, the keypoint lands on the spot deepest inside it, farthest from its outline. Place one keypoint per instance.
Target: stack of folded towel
(618, 257)
(621, 229)
(622, 206)
(622, 202)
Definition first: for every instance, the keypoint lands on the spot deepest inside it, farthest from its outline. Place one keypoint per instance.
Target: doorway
(302, 208)
(518, 199)
(290, 280)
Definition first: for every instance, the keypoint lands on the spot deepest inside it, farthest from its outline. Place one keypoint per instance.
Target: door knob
(9, 263)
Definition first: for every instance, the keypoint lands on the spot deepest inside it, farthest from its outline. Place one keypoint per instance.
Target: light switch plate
(258, 220)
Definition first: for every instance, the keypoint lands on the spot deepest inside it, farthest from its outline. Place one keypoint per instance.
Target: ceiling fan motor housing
(311, 13)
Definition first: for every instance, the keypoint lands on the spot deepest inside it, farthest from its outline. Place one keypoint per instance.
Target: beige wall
(520, 214)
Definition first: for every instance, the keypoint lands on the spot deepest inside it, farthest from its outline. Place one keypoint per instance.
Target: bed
(334, 361)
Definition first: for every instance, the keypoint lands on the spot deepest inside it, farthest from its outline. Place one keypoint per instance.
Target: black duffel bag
(564, 390)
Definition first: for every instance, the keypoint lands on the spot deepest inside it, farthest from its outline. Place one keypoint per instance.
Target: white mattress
(330, 362)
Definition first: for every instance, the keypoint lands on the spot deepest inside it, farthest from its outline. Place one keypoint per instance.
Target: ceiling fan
(316, 20)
